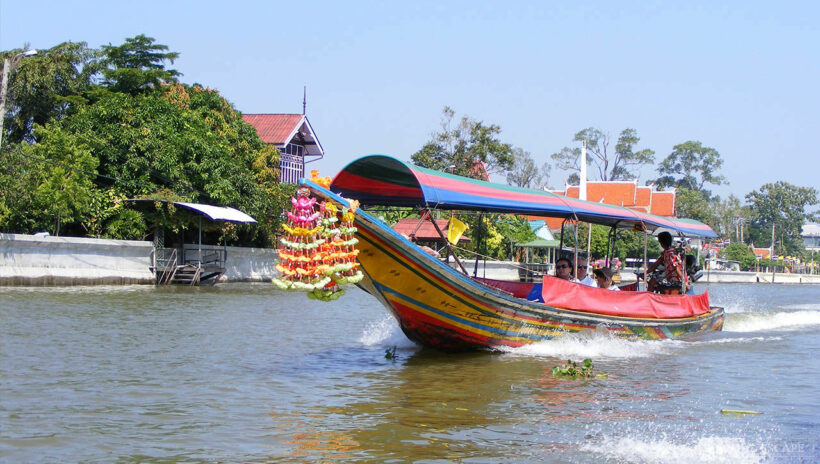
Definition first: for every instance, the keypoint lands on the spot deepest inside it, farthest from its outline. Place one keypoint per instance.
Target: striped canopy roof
(385, 181)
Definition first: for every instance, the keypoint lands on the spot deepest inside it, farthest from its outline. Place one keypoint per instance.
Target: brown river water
(247, 373)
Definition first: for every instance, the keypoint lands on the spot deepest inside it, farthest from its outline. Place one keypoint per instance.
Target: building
(293, 135)
(811, 236)
(629, 194)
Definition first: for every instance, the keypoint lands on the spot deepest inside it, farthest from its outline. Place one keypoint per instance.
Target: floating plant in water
(390, 353)
(571, 370)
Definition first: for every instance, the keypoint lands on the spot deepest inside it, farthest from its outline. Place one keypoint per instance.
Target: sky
(742, 77)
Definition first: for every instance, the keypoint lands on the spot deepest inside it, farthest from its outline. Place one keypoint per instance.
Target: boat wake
(703, 450)
(596, 345)
(759, 322)
(385, 332)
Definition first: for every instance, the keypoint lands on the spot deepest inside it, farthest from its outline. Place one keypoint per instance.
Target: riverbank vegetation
(89, 128)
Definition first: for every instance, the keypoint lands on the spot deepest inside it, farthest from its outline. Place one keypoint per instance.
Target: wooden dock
(199, 269)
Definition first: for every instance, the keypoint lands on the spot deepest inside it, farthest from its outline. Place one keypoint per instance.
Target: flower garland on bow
(318, 253)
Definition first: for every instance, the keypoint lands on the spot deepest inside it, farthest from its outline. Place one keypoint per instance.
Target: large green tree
(46, 86)
(622, 163)
(137, 65)
(786, 208)
(458, 146)
(525, 172)
(691, 166)
(139, 133)
(741, 253)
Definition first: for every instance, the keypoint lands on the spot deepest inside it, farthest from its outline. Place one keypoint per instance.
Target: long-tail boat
(441, 307)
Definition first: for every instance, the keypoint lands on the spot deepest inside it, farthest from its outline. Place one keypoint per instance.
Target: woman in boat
(603, 277)
(563, 269)
(671, 261)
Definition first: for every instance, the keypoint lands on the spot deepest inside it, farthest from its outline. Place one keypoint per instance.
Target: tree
(783, 206)
(620, 165)
(691, 204)
(458, 149)
(45, 87)
(64, 184)
(727, 215)
(525, 173)
(741, 253)
(129, 137)
(137, 65)
(184, 139)
(691, 166)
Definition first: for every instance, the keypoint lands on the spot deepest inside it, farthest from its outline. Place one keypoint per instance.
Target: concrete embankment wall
(34, 260)
(243, 264)
(735, 277)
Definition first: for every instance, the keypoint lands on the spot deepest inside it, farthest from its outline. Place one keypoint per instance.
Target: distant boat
(443, 308)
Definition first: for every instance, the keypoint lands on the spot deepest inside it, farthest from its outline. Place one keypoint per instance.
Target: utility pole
(771, 254)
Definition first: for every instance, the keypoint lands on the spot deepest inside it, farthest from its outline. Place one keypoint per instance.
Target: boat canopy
(380, 180)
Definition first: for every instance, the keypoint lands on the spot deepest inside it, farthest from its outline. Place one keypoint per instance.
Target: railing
(209, 258)
(165, 265)
(291, 167)
(533, 272)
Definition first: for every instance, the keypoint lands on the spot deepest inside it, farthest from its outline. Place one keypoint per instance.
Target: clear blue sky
(742, 77)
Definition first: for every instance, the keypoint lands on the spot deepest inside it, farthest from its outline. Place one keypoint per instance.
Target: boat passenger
(563, 269)
(581, 275)
(604, 278)
(670, 260)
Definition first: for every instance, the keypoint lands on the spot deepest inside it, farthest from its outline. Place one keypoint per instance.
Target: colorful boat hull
(439, 307)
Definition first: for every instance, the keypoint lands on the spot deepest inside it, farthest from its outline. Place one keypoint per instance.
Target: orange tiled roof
(274, 128)
(612, 192)
(663, 204)
(621, 193)
(643, 195)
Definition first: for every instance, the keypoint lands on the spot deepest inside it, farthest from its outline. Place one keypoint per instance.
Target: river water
(246, 373)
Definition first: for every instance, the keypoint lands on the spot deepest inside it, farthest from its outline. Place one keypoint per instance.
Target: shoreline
(34, 261)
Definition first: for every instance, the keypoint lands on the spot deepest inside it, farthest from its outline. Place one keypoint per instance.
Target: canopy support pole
(610, 247)
(645, 260)
(199, 258)
(446, 242)
(561, 245)
(575, 260)
(479, 238)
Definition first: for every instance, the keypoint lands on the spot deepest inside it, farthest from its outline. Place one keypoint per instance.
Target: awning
(214, 213)
(383, 180)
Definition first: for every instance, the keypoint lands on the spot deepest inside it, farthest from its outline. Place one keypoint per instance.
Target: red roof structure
(424, 231)
(282, 129)
(664, 204)
(612, 193)
(293, 135)
(622, 193)
(479, 171)
(763, 253)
